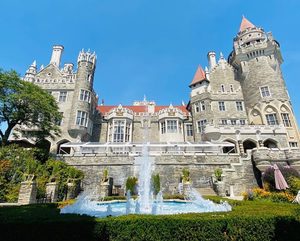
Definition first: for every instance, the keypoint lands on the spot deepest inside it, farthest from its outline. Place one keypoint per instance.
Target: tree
(25, 104)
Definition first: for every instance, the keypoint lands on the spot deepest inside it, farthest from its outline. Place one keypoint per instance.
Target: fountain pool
(84, 205)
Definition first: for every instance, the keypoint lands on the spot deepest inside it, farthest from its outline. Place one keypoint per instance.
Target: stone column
(106, 187)
(27, 193)
(70, 190)
(241, 148)
(52, 191)
(219, 188)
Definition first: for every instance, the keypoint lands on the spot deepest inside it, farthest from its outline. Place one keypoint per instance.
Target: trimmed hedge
(261, 221)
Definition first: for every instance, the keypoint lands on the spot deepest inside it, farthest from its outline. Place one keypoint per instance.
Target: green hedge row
(248, 221)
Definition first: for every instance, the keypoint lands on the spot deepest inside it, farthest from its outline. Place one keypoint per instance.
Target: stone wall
(168, 166)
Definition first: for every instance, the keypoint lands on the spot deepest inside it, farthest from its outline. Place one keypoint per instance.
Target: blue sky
(143, 47)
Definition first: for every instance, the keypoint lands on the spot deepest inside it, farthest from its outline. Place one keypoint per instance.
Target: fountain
(145, 204)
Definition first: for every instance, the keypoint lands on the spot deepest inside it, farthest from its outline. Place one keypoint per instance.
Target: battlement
(87, 56)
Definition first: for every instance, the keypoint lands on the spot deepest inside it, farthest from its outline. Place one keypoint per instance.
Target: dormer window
(170, 126)
(120, 130)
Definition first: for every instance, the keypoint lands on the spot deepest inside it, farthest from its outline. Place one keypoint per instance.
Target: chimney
(56, 55)
(211, 56)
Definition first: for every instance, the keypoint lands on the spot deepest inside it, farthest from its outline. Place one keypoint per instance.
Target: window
(171, 126)
(58, 121)
(233, 122)
(82, 119)
(222, 88)
(286, 119)
(202, 105)
(118, 130)
(62, 96)
(163, 127)
(242, 122)
(272, 119)
(197, 107)
(265, 92)
(85, 95)
(224, 122)
(201, 126)
(189, 130)
(293, 144)
(239, 105)
(221, 106)
(231, 88)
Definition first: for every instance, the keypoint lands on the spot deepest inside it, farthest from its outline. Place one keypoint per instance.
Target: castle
(239, 114)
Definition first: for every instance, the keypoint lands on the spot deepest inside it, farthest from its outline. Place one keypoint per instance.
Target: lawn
(249, 220)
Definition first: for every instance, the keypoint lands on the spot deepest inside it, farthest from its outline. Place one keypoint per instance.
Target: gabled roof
(246, 24)
(199, 76)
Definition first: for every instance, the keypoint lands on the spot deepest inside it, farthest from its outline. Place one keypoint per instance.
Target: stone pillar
(27, 193)
(241, 148)
(71, 190)
(219, 188)
(52, 191)
(106, 188)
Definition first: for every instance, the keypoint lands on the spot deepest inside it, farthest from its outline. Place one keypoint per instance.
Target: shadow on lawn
(44, 222)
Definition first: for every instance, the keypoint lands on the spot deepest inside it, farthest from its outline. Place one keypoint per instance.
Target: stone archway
(63, 150)
(269, 143)
(230, 149)
(249, 145)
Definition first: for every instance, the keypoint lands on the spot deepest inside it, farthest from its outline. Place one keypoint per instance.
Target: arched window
(229, 149)
(269, 143)
(249, 145)
(63, 150)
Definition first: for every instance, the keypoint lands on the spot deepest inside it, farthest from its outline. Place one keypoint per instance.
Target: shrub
(185, 175)
(281, 197)
(256, 220)
(155, 183)
(131, 183)
(17, 162)
(294, 184)
(218, 174)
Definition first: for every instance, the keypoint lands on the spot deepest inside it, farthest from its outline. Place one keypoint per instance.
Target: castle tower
(84, 98)
(31, 72)
(257, 59)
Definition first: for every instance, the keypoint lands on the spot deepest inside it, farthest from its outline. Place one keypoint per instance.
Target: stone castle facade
(239, 108)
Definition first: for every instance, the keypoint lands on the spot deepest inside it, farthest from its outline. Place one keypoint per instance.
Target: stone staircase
(206, 191)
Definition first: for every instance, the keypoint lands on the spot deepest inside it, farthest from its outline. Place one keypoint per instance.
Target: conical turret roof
(245, 24)
(199, 76)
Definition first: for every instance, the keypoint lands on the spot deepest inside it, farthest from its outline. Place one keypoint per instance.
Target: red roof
(246, 24)
(137, 109)
(199, 76)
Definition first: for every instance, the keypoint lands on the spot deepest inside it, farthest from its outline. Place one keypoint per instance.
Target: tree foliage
(17, 162)
(131, 184)
(24, 103)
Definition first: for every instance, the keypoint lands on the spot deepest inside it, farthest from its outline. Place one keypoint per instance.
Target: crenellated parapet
(87, 56)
